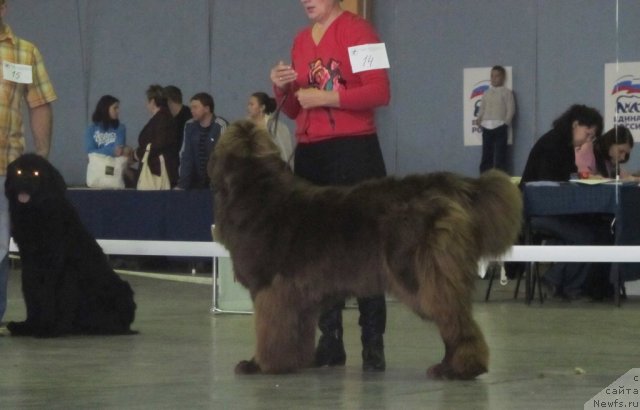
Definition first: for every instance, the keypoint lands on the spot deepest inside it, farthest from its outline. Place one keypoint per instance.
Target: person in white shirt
(260, 108)
(496, 112)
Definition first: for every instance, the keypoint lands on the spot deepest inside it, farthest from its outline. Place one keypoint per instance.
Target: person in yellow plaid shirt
(22, 77)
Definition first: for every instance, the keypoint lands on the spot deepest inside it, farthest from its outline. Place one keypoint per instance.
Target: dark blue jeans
(494, 148)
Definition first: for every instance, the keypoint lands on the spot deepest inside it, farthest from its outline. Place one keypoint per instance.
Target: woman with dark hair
(612, 149)
(260, 109)
(552, 158)
(106, 135)
(160, 132)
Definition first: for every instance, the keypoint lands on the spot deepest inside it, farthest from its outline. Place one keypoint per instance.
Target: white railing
(214, 250)
(518, 253)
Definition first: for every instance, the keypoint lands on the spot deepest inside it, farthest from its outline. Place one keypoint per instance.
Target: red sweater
(326, 66)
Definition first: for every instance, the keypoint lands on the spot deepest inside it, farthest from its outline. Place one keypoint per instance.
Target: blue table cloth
(621, 200)
(145, 215)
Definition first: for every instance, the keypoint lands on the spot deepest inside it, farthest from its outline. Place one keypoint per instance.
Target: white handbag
(105, 172)
(149, 181)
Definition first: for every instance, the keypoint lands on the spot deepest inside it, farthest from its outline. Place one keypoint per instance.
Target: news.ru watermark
(623, 393)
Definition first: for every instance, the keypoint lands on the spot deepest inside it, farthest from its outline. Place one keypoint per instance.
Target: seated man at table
(552, 158)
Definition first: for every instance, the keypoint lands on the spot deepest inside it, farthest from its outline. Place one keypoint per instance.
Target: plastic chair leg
(517, 290)
(492, 274)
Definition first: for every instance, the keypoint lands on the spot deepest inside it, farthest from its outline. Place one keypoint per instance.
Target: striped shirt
(18, 51)
(203, 154)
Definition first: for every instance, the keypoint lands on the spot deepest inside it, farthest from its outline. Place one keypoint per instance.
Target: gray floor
(183, 358)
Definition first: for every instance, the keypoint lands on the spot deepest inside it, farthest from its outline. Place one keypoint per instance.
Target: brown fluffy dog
(295, 246)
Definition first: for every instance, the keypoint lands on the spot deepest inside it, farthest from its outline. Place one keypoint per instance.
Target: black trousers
(345, 161)
(587, 229)
(494, 148)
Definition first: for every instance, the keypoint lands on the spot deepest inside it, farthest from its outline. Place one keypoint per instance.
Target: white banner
(622, 96)
(476, 82)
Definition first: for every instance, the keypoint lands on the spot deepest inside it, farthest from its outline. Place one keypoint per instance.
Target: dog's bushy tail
(497, 212)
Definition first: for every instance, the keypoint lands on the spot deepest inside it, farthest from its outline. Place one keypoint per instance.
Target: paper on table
(543, 183)
(592, 181)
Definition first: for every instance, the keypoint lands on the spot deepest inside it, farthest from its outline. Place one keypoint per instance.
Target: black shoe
(373, 355)
(575, 296)
(330, 351)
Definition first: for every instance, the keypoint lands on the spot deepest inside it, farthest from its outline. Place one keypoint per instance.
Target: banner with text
(476, 82)
(622, 96)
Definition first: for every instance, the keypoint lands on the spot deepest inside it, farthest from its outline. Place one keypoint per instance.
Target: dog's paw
(440, 371)
(20, 329)
(247, 367)
(444, 371)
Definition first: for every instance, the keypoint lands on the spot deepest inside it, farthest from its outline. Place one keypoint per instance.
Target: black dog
(68, 285)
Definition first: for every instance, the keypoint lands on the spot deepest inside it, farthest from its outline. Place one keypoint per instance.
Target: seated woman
(160, 132)
(259, 109)
(107, 136)
(612, 149)
(552, 158)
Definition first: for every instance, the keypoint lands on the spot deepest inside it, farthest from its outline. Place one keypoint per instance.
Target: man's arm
(41, 118)
(511, 108)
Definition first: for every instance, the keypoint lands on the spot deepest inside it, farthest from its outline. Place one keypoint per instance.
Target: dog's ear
(263, 145)
(11, 170)
(244, 139)
(258, 140)
(55, 179)
(51, 177)
(13, 167)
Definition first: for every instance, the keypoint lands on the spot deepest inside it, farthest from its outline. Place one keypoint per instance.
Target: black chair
(530, 270)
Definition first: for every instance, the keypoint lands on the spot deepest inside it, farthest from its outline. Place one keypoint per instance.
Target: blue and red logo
(479, 89)
(627, 91)
(627, 84)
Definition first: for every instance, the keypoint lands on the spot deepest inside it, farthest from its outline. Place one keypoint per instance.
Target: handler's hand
(282, 75)
(312, 98)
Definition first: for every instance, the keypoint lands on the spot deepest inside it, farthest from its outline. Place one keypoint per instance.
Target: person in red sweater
(333, 109)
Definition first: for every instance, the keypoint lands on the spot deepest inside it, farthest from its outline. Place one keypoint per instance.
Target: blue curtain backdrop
(557, 49)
